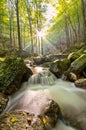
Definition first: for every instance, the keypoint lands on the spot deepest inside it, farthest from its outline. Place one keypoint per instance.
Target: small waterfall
(44, 77)
(40, 88)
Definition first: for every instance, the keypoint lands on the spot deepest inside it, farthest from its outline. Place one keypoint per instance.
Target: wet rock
(81, 83)
(3, 101)
(78, 65)
(72, 77)
(69, 76)
(29, 121)
(18, 120)
(37, 102)
(58, 67)
(13, 71)
(52, 114)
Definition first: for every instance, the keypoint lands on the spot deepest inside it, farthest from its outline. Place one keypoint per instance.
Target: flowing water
(44, 86)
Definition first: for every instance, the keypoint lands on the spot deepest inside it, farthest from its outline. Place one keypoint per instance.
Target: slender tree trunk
(83, 2)
(31, 35)
(73, 28)
(14, 35)
(30, 25)
(18, 25)
(67, 32)
(10, 22)
(24, 36)
(78, 26)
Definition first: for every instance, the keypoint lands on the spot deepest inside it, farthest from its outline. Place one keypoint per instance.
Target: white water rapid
(33, 93)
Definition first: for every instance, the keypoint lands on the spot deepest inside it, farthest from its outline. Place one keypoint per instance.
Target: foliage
(13, 119)
(64, 30)
(68, 27)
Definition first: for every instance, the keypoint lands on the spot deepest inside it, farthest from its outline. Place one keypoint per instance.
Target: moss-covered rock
(78, 65)
(74, 55)
(12, 70)
(40, 59)
(58, 67)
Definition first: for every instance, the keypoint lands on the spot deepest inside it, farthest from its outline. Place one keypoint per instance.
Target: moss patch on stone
(9, 68)
(79, 64)
(59, 66)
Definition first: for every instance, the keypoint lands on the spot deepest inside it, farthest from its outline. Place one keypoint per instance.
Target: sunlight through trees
(25, 24)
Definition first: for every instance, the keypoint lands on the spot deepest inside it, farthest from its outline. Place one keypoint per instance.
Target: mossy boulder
(12, 70)
(78, 65)
(74, 55)
(58, 67)
(40, 60)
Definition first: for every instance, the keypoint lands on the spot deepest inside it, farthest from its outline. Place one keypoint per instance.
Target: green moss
(9, 68)
(79, 64)
(74, 55)
(63, 65)
(59, 66)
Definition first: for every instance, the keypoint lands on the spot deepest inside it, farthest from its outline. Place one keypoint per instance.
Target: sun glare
(41, 34)
(50, 13)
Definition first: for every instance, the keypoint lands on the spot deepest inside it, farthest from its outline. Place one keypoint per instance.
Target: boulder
(40, 60)
(13, 71)
(69, 76)
(3, 101)
(58, 67)
(52, 114)
(20, 120)
(74, 55)
(78, 65)
(81, 83)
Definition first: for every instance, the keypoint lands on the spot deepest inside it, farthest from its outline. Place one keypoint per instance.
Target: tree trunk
(83, 2)
(31, 35)
(10, 22)
(78, 25)
(18, 25)
(67, 32)
(14, 35)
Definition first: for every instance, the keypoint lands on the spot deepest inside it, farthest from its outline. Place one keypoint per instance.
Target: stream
(42, 84)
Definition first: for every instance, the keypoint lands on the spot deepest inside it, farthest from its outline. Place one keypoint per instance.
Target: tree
(83, 4)
(18, 23)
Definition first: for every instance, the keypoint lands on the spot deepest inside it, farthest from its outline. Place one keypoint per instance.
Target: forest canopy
(41, 25)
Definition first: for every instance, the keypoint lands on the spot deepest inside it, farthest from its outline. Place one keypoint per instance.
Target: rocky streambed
(14, 71)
